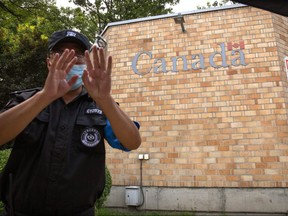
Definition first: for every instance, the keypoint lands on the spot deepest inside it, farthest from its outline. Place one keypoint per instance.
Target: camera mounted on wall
(100, 42)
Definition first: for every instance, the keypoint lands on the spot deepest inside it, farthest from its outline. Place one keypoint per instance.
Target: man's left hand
(97, 76)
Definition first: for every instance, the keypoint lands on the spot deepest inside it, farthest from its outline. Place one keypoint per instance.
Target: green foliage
(26, 25)
(24, 32)
(102, 12)
(20, 9)
(106, 192)
(4, 155)
(215, 4)
(22, 60)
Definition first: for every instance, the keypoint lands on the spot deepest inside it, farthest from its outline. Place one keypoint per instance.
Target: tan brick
(224, 127)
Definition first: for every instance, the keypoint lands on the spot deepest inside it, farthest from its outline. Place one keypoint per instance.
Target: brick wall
(211, 127)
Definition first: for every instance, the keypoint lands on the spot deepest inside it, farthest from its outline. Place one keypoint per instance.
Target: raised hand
(97, 76)
(97, 81)
(56, 85)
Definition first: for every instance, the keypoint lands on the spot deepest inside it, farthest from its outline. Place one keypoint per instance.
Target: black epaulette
(22, 95)
(17, 97)
(31, 91)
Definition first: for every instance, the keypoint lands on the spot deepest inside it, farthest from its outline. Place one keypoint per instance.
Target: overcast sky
(183, 6)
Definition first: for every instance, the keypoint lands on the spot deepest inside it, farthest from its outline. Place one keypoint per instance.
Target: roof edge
(226, 7)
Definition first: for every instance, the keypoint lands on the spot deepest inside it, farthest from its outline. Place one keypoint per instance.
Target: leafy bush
(4, 154)
(106, 191)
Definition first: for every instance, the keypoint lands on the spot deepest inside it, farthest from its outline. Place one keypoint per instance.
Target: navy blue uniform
(57, 164)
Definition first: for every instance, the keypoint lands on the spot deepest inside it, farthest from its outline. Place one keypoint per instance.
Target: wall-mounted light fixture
(179, 19)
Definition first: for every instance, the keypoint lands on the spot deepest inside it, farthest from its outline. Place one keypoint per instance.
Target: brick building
(212, 102)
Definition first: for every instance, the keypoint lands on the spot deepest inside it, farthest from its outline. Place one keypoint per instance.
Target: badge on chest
(90, 137)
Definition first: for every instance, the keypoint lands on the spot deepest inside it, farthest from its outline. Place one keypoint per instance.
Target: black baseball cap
(68, 36)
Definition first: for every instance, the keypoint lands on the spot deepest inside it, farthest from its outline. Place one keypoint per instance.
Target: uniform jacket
(57, 164)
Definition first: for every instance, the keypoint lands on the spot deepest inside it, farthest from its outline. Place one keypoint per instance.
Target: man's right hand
(14, 120)
(56, 85)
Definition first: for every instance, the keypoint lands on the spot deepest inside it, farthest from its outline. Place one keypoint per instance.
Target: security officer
(57, 164)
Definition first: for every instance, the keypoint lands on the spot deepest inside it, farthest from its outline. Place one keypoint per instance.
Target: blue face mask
(76, 70)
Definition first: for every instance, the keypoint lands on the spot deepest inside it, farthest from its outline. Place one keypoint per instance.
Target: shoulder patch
(89, 111)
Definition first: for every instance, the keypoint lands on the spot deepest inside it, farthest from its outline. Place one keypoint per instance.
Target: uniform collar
(84, 93)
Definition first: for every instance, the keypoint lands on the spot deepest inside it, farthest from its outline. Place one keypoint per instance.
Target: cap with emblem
(68, 36)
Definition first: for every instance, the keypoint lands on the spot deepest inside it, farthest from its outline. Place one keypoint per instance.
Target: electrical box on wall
(133, 196)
